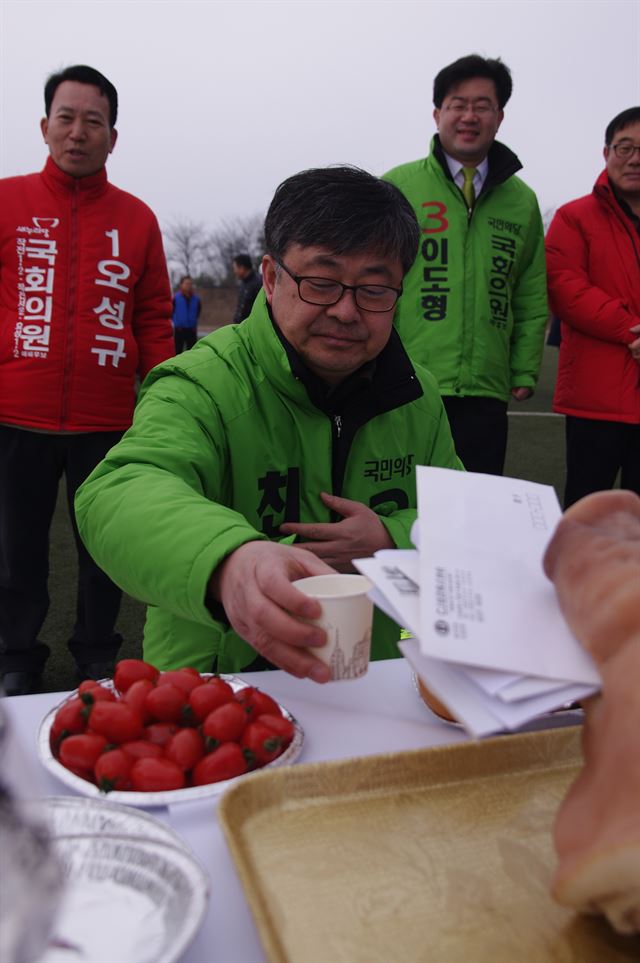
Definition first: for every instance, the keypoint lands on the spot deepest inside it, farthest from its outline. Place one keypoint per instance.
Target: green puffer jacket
(474, 306)
(225, 446)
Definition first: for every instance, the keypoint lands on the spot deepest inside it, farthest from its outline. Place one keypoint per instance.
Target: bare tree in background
(240, 235)
(186, 244)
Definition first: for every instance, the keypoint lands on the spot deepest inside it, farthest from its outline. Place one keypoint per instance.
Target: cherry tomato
(281, 726)
(86, 774)
(116, 721)
(87, 685)
(112, 770)
(257, 703)
(225, 762)
(70, 719)
(98, 694)
(91, 691)
(135, 697)
(129, 671)
(185, 748)
(143, 749)
(224, 724)
(167, 703)
(208, 696)
(159, 733)
(156, 775)
(184, 679)
(262, 744)
(81, 752)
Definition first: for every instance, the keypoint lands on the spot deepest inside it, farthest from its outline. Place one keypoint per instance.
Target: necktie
(467, 188)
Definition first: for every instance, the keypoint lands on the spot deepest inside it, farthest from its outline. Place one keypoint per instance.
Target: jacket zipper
(622, 220)
(338, 460)
(71, 307)
(634, 248)
(463, 358)
(633, 240)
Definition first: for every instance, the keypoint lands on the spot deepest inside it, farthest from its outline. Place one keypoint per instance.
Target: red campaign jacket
(85, 301)
(593, 266)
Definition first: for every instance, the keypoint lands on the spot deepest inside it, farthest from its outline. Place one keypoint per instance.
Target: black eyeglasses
(325, 291)
(625, 150)
(481, 107)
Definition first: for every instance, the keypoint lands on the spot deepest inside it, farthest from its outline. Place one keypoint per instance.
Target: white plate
(125, 899)
(77, 816)
(149, 799)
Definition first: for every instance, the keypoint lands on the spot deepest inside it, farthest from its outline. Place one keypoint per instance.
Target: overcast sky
(220, 101)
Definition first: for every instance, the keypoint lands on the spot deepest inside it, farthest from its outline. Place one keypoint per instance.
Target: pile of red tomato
(158, 731)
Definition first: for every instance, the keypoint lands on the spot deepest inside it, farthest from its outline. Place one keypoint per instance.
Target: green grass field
(535, 452)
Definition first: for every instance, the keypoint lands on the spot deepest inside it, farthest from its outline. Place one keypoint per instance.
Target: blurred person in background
(593, 261)
(85, 307)
(474, 310)
(186, 311)
(249, 284)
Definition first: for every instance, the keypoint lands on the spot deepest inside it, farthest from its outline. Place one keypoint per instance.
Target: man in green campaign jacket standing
(475, 304)
(304, 422)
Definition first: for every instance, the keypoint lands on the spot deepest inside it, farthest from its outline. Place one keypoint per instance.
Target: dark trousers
(596, 452)
(479, 429)
(31, 465)
(184, 338)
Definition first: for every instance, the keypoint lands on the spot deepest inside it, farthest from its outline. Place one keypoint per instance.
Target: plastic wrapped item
(32, 877)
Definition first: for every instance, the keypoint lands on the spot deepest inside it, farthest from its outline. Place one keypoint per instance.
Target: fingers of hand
(323, 550)
(323, 531)
(270, 620)
(602, 509)
(562, 544)
(343, 506)
(292, 659)
(284, 639)
(256, 588)
(521, 394)
(309, 531)
(268, 611)
(337, 556)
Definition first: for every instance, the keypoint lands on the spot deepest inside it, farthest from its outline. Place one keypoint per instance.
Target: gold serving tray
(439, 855)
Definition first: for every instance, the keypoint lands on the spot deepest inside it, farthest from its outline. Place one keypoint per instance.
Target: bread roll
(434, 703)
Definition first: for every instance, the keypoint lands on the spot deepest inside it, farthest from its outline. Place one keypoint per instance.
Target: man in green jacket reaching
(303, 423)
(475, 305)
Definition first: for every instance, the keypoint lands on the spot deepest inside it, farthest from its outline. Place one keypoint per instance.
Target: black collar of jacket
(387, 382)
(603, 189)
(503, 163)
(626, 208)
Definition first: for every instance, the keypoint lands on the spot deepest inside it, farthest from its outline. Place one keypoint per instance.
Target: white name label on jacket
(36, 262)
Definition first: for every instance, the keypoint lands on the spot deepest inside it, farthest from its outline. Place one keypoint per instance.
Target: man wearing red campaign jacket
(593, 260)
(85, 306)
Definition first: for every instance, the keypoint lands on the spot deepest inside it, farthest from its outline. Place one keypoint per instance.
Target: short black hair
(83, 75)
(243, 260)
(344, 209)
(185, 277)
(473, 66)
(619, 122)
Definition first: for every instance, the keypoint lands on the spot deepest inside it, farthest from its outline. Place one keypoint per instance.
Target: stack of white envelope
(489, 639)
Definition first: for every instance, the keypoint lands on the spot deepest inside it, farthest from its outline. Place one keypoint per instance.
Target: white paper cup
(346, 617)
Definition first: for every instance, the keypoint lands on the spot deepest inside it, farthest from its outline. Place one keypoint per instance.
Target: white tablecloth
(381, 712)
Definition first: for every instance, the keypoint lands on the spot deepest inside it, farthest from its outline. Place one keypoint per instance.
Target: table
(381, 712)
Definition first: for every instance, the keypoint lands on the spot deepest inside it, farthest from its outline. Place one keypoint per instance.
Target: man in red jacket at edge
(593, 262)
(85, 305)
